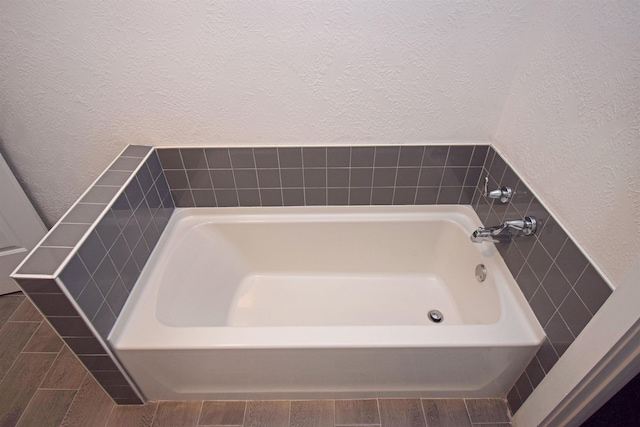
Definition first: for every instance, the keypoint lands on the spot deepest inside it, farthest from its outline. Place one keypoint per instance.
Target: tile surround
(562, 287)
(95, 254)
(293, 176)
(104, 241)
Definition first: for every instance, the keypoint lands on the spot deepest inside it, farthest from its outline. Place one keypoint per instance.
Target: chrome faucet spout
(491, 234)
(502, 233)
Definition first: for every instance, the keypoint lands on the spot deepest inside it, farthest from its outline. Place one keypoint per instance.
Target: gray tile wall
(104, 269)
(123, 228)
(298, 176)
(562, 287)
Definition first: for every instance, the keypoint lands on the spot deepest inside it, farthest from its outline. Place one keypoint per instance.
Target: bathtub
(324, 302)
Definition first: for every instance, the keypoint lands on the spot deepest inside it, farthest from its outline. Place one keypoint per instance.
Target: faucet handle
(504, 193)
(527, 226)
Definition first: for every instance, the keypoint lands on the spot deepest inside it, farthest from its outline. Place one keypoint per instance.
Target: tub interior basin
(334, 267)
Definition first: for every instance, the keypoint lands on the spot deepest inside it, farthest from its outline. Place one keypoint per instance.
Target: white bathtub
(324, 302)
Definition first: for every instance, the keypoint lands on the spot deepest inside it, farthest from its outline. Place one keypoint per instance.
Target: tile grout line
(326, 176)
(255, 172)
(31, 338)
(26, 407)
(334, 411)
(529, 380)
(466, 407)
(52, 363)
(74, 398)
(188, 182)
(444, 167)
(22, 321)
(45, 376)
(201, 407)
(395, 178)
(580, 297)
(464, 180)
(415, 197)
(279, 178)
(114, 404)
(13, 364)
(155, 413)
(246, 402)
(14, 312)
(424, 413)
(55, 389)
(17, 357)
(349, 183)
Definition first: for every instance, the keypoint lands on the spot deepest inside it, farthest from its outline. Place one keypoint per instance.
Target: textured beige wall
(571, 124)
(80, 79)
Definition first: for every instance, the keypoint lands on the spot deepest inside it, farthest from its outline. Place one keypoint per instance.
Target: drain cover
(435, 316)
(481, 272)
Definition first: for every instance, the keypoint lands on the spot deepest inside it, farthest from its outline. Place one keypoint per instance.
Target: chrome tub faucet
(502, 233)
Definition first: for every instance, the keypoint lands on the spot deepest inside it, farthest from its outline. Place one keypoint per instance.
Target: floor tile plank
(364, 411)
(133, 415)
(45, 340)
(13, 337)
(401, 413)
(66, 373)
(8, 305)
(312, 413)
(171, 414)
(487, 410)
(91, 407)
(26, 312)
(446, 413)
(20, 384)
(223, 413)
(47, 408)
(492, 425)
(267, 413)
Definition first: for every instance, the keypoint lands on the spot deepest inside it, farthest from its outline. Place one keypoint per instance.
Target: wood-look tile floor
(43, 384)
